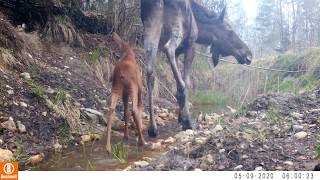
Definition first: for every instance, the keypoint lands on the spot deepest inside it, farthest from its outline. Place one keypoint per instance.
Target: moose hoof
(186, 125)
(152, 132)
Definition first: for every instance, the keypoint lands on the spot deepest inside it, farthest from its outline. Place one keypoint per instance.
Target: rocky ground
(275, 132)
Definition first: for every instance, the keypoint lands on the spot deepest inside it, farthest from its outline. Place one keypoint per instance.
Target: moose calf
(127, 84)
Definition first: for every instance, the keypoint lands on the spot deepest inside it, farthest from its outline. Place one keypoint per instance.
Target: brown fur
(127, 84)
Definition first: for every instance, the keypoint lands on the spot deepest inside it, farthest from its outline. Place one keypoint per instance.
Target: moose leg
(125, 99)
(152, 36)
(113, 103)
(136, 112)
(170, 49)
(184, 114)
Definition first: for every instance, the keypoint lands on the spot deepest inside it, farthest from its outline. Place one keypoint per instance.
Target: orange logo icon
(8, 171)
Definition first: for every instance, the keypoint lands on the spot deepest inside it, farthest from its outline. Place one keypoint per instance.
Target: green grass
(62, 19)
(37, 90)
(273, 115)
(120, 152)
(94, 56)
(17, 154)
(60, 97)
(206, 97)
(318, 151)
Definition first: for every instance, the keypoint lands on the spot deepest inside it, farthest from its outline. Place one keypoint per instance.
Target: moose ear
(117, 39)
(223, 14)
(133, 39)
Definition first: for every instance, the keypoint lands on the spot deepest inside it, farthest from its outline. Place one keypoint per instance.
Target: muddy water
(94, 157)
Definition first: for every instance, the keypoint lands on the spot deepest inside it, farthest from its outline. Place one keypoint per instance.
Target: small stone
(23, 104)
(297, 127)
(85, 139)
(222, 151)
(50, 90)
(221, 167)
(57, 147)
(5, 155)
(296, 115)
(21, 127)
(289, 163)
(10, 92)
(95, 137)
(245, 157)
(144, 115)
(238, 167)
(279, 168)
(207, 133)
(163, 115)
(300, 135)
(218, 128)
(35, 159)
(210, 158)
(146, 158)
(44, 114)
(170, 140)
(141, 164)
(252, 113)
(1, 141)
(259, 168)
(156, 146)
(197, 169)
(189, 132)
(200, 140)
(10, 125)
(25, 76)
(9, 87)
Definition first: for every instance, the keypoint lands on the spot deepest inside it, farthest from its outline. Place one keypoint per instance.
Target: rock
(9, 87)
(5, 155)
(221, 167)
(289, 163)
(245, 157)
(1, 141)
(95, 137)
(222, 151)
(33, 160)
(231, 109)
(85, 139)
(57, 147)
(156, 146)
(296, 115)
(238, 168)
(201, 140)
(171, 116)
(93, 117)
(210, 158)
(144, 115)
(189, 132)
(259, 168)
(252, 113)
(44, 114)
(92, 111)
(50, 90)
(218, 128)
(279, 168)
(23, 104)
(146, 158)
(170, 140)
(10, 125)
(197, 169)
(300, 135)
(25, 76)
(163, 115)
(141, 164)
(10, 92)
(21, 127)
(297, 127)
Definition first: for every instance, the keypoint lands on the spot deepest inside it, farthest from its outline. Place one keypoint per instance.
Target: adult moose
(173, 26)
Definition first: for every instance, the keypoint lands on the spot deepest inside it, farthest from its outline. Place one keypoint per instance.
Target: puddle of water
(94, 157)
(91, 157)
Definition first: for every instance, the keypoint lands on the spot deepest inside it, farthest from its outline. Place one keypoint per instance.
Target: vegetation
(62, 19)
(120, 152)
(206, 97)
